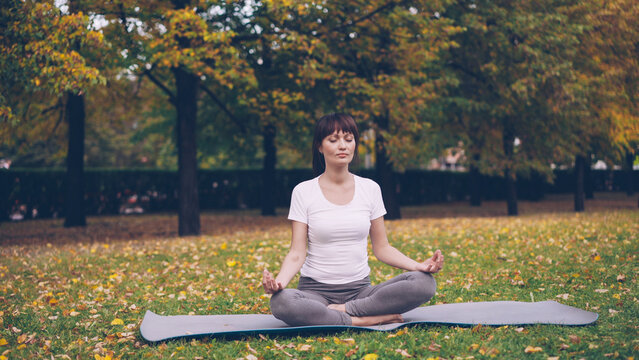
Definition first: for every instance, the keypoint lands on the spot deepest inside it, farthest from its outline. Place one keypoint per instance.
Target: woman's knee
(424, 285)
(281, 303)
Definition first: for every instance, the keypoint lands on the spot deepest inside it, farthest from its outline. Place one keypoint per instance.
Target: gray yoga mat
(156, 327)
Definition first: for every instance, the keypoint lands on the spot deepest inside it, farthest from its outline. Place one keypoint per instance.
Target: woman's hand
(432, 265)
(270, 285)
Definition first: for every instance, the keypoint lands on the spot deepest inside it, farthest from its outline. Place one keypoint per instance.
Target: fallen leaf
(574, 339)
(403, 352)
(349, 341)
(352, 352)
(370, 357)
(249, 348)
(400, 332)
(531, 349)
(117, 322)
(621, 277)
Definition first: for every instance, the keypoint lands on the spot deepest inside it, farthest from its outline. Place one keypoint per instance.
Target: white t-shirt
(337, 234)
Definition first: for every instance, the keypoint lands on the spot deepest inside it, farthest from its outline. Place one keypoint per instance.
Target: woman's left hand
(432, 265)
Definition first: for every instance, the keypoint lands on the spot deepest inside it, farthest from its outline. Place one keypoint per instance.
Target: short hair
(326, 126)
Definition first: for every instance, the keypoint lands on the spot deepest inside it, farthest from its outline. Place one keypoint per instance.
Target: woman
(334, 213)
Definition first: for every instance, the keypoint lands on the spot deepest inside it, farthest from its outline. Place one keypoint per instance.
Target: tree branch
(224, 108)
(349, 23)
(51, 108)
(159, 84)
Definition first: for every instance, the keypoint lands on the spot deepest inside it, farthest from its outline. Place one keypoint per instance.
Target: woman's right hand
(270, 285)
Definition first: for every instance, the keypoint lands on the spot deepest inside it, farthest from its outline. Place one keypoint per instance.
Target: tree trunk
(511, 193)
(630, 186)
(475, 184)
(74, 200)
(589, 185)
(509, 176)
(386, 176)
(580, 164)
(187, 85)
(268, 170)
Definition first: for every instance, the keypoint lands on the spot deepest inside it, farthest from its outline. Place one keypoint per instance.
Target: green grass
(86, 300)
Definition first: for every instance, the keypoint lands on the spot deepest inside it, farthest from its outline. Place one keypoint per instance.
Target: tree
(42, 49)
(609, 72)
(184, 43)
(515, 87)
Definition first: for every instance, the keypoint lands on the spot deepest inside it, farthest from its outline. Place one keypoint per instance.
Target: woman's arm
(292, 262)
(388, 254)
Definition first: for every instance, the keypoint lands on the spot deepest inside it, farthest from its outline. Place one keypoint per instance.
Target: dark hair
(326, 126)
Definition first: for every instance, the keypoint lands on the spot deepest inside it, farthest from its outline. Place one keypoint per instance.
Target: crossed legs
(373, 305)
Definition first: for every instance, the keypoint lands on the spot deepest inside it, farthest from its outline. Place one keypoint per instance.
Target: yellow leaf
(230, 263)
(3, 342)
(531, 349)
(348, 341)
(223, 246)
(370, 357)
(117, 322)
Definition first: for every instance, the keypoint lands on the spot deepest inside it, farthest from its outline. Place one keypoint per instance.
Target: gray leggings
(307, 305)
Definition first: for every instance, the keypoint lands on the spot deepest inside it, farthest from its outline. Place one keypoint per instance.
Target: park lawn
(86, 300)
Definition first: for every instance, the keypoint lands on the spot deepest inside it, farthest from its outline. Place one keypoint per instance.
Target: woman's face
(338, 148)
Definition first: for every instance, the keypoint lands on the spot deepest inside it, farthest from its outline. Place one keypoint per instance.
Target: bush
(109, 191)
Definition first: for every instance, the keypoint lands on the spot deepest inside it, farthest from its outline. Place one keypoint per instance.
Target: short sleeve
(297, 210)
(377, 209)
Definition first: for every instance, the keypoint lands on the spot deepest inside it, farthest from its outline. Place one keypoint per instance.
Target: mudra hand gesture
(270, 285)
(432, 265)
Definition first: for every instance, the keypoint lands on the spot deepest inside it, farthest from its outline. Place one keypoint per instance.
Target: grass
(73, 293)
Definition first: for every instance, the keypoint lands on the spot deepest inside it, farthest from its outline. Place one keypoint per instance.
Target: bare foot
(369, 320)
(376, 320)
